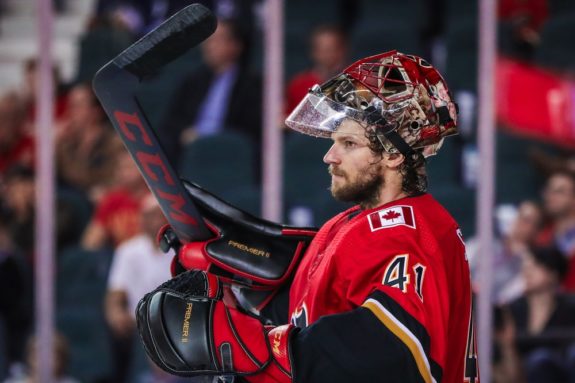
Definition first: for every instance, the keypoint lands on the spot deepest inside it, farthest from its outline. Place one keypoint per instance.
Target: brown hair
(412, 169)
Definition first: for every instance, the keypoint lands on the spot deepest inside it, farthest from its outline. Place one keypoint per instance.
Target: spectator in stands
(548, 163)
(73, 212)
(18, 199)
(29, 91)
(138, 266)
(15, 302)
(139, 16)
(116, 214)
(16, 145)
(525, 17)
(103, 39)
(508, 251)
(540, 324)
(507, 364)
(328, 52)
(61, 355)
(559, 206)
(86, 144)
(221, 95)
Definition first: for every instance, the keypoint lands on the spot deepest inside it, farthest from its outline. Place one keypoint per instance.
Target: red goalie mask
(402, 98)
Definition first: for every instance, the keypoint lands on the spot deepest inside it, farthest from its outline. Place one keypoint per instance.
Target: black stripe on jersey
(412, 325)
(354, 214)
(351, 347)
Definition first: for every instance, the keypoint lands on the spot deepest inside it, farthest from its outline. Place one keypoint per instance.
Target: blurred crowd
(533, 286)
(106, 218)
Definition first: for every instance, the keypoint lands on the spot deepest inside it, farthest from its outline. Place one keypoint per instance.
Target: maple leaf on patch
(391, 215)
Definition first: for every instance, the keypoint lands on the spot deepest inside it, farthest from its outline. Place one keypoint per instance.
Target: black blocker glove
(187, 329)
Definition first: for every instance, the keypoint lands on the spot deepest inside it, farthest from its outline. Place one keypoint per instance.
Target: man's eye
(349, 144)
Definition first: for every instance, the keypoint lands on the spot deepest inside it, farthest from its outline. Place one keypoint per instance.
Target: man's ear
(393, 160)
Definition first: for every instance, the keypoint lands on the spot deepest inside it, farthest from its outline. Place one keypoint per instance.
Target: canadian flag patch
(391, 217)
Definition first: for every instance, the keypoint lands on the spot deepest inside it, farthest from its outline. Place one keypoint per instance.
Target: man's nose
(331, 156)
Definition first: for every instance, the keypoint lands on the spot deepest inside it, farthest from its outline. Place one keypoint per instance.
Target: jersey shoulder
(418, 226)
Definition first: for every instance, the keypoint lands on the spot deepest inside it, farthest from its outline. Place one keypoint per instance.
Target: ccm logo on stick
(147, 156)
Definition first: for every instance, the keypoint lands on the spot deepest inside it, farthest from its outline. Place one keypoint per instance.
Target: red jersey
(405, 262)
(22, 153)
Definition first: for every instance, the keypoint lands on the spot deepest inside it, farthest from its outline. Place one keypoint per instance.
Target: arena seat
(88, 339)
(220, 163)
(516, 178)
(246, 197)
(388, 25)
(80, 288)
(305, 174)
(556, 48)
(460, 203)
(97, 47)
(370, 39)
(74, 213)
(140, 367)
(445, 167)
(328, 207)
(3, 351)
(560, 7)
(461, 38)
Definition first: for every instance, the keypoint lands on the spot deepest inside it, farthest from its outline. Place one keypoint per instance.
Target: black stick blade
(181, 32)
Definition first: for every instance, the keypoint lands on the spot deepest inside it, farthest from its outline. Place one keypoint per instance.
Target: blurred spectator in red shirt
(16, 145)
(530, 14)
(328, 53)
(86, 144)
(525, 18)
(138, 266)
(117, 213)
(559, 206)
(30, 89)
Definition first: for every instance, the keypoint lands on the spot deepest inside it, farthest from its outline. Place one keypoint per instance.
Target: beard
(363, 190)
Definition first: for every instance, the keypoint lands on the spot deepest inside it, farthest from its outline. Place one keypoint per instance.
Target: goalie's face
(356, 172)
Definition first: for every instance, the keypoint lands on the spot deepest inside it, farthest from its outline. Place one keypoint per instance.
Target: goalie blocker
(189, 327)
(254, 255)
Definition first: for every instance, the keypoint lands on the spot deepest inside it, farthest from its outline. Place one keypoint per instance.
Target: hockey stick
(115, 85)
